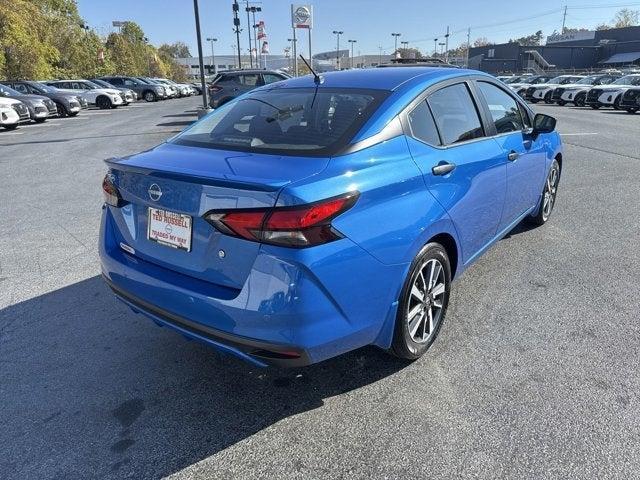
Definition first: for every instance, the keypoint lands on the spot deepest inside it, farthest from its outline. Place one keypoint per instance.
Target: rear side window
(422, 124)
(455, 114)
(249, 80)
(299, 121)
(504, 109)
(271, 78)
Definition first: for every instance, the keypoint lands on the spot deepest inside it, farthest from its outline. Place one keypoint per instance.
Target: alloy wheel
(550, 191)
(425, 302)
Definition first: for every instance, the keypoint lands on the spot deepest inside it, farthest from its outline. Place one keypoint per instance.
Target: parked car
(183, 89)
(9, 117)
(611, 95)
(40, 108)
(228, 85)
(544, 91)
(129, 96)
(67, 104)
(170, 91)
(103, 98)
(197, 87)
(630, 100)
(260, 228)
(577, 93)
(521, 86)
(147, 91)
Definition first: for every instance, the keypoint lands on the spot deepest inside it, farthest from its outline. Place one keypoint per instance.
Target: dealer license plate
(169, 228)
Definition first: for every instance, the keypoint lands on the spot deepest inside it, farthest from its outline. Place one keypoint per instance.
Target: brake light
(111, 193)
(301, 226)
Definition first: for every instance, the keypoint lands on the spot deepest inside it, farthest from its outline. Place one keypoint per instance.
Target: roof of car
(379, 78)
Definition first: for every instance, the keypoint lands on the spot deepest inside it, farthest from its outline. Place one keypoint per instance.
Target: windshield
(301, 121)
(42, 88)
(102, 83)
(8, 91)
(539, 80)
(91, 85)
(628, 80)
(587, 80)
(142, 80)
(513, 79)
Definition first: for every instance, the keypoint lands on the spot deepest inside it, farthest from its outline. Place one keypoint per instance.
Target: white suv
(92, 92)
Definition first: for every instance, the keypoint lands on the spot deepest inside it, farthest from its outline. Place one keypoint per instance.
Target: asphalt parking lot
(534, 375)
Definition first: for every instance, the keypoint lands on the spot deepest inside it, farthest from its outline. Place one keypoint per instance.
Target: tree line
(46, 39)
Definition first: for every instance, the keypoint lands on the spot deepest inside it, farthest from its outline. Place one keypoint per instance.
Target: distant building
(230, 62)
(614, 48)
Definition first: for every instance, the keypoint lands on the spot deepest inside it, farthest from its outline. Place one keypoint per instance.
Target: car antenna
(316, 78)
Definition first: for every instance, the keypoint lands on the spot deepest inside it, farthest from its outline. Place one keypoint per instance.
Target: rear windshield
(300, 121)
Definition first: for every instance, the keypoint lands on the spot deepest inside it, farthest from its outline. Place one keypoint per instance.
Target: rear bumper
(291, 311)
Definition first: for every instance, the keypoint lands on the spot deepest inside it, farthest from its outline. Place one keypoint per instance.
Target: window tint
(249, 80)
(297, 121)
(271, 78)
(21, 88)
(422, 125)
(455, 114)
(504, 109)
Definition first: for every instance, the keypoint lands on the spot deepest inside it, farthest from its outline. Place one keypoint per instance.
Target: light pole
(380, 56)
(337, 33)
(395, 42)
(237, 29)
(294, 65)
(405, 46)
(435, 47)
(205, 104)
(249, 9)
(442, 44)
(253, 9)
(213, 55)
(352, 42)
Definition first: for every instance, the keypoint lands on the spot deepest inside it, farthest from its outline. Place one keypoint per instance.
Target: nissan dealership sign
(302, 16)
(571, 37)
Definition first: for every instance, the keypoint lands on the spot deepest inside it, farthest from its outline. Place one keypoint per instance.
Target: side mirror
(543, 123)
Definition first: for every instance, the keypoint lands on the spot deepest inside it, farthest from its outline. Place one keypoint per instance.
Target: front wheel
(11, 127)
(40, 120)
(549, 193)
(150, 97)
(580, 100)
(547, 98)
(62, 111)
(595, 107)
(103, 103)
(632, 110)
(423, 303)
(562, 103)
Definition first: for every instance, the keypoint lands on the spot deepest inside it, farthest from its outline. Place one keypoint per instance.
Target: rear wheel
(547, 98)
(149, 96)
(423, 303)
(616, 103)
(103, 103)
(548, 199)
(579, 100)
(62, 110)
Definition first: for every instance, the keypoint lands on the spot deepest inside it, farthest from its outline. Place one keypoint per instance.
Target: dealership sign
(571, 37)
(302, 16)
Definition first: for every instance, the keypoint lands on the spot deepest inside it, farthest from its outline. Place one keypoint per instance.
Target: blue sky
(369, 22)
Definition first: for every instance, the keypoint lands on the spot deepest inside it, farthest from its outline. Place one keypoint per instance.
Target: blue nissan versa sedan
(317, 215)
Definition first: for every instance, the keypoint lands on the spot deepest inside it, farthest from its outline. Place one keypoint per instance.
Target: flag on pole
(261, 31)
(265, 47)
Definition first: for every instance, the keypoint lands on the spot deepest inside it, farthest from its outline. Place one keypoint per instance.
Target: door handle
(513, 156)
(443, 168)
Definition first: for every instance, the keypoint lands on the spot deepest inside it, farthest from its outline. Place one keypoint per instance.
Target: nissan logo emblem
(155, 192)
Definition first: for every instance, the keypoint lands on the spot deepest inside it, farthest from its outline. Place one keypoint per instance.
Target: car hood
(614, 87)
(7, 101)
(30, 98)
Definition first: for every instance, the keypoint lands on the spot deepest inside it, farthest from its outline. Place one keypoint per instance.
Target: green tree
(175, 50)
(409, 53)
(533, 39)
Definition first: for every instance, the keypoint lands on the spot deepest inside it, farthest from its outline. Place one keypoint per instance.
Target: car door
(524, 154)
(463, 168)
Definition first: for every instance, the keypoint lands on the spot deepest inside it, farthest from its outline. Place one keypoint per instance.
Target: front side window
(21, 88)
(249, 80)
(304, 121)
(422, 124)
(504, 109)
(455, 114)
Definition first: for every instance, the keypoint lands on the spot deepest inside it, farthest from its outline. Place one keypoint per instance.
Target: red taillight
(111, 194)
(302, 226)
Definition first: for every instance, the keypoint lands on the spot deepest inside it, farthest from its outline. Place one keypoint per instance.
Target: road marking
(11, 132)
(576, 134)
(100, 113)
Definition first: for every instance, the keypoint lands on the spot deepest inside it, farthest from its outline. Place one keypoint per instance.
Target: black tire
(533, 100)
(562, 103)
(73, 114)
(547, 98)
(595, 107)
(616, 103)
(543, 214)
(150, 96)
(404, 344)
(632, 110)
(62, 110)
(11, 127)
(580, 99)
(40, 120)
(103, 103)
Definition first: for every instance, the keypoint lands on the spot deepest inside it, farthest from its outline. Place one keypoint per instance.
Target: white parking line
(577, 134)
(100, 113)
(12, 132)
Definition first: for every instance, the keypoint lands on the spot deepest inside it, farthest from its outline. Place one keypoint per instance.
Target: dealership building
(587, 50)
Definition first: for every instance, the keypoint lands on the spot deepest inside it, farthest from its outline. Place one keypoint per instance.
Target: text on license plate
(169, 228)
